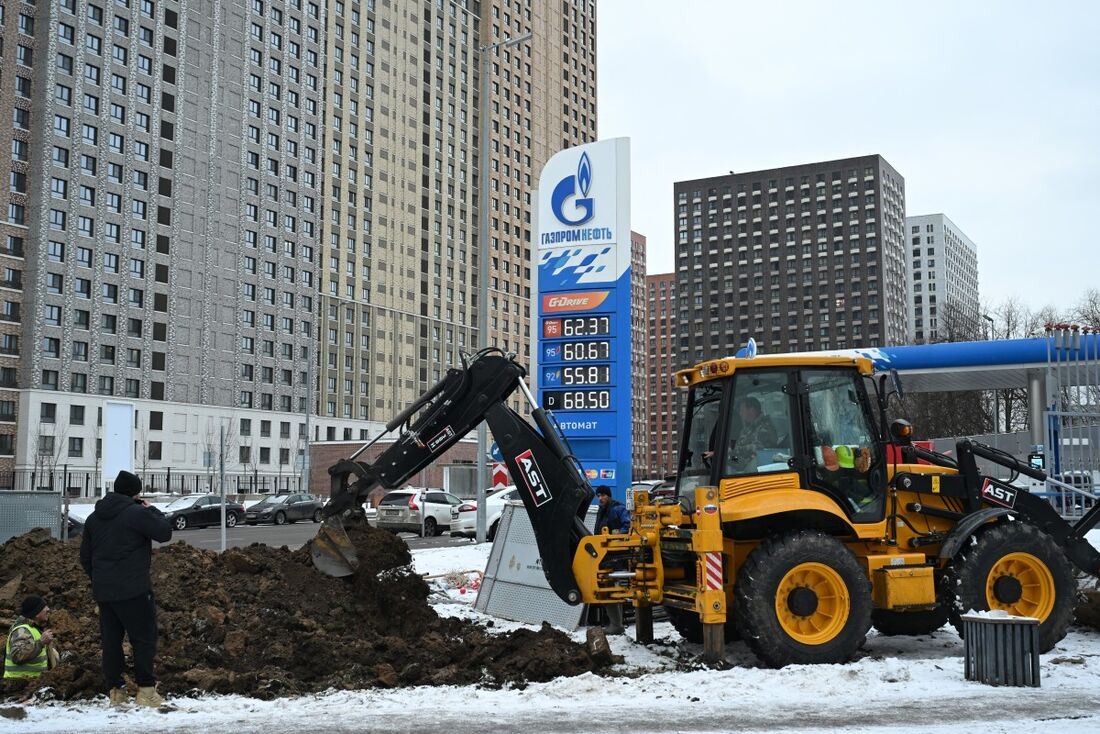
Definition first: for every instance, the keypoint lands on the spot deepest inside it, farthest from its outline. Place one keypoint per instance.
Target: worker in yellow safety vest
(29, 651)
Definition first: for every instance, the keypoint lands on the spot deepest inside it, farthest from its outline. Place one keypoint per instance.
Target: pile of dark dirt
(261, 621)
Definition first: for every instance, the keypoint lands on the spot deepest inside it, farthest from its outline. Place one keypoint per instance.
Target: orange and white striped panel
(714, 570)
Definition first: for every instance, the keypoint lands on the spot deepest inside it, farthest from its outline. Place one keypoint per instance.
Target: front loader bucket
(332, 551)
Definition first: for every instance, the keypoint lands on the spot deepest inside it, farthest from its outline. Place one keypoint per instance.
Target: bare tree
(942, 414)
(48, 443)
(215, 444)
(142, 449)
(1087, 310)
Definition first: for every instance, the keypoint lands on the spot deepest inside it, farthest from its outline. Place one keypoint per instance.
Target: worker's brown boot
(119, 697)
(148, 696)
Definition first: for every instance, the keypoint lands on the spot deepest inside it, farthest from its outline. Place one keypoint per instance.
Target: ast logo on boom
(533, 478)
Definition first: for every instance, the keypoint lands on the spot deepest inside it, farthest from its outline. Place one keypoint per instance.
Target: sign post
(581, 310)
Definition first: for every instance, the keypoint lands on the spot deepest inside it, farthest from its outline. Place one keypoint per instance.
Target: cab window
(846, 461)
(700, 433)
(759, 432)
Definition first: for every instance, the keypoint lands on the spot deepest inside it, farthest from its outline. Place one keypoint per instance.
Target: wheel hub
(802, 601)
(1008, 589)
(1020, 583)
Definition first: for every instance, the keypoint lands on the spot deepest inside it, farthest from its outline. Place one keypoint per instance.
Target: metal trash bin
(1001, 650)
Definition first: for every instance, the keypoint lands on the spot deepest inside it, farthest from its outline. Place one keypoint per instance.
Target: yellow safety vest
(39, 665)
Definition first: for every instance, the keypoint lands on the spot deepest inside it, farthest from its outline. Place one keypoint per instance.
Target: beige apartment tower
(399, 243)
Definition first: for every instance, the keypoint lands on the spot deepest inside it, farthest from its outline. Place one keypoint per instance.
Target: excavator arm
(555, 493)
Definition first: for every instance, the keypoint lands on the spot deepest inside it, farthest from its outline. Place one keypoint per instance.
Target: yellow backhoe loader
(801, 517)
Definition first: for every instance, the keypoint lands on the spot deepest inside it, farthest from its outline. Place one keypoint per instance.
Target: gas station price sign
(581, 314)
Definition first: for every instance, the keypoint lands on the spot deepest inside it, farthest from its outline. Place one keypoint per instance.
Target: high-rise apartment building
(943, 277)
(399, 274)
(170, 230)
(800, 258)
(207, 200)
(639, 357)
(662, 361)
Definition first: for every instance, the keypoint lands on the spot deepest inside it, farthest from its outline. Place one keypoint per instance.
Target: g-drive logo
(585, 206)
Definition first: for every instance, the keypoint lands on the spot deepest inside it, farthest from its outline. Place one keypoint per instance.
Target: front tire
(430, 528)
(317, 516)
(1017, 568)
(180, 523)
(280, 518)
(802, 598)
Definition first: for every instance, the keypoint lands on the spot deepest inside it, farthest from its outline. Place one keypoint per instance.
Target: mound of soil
(261, 621)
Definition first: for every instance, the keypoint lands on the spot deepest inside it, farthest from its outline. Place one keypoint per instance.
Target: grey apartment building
(208, 202)
(167, 216)
(943, 277)
(801, 258)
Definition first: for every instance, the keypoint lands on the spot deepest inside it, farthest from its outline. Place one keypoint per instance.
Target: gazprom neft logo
(572, 206)
(567, 188)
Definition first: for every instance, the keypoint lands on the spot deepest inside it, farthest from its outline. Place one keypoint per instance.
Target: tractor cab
(785, 422)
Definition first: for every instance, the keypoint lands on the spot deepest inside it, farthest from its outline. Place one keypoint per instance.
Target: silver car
(422, 511)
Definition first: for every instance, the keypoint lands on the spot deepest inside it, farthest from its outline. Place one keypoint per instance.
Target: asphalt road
(294, 536)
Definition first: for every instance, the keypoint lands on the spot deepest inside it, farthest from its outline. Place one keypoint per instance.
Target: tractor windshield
(697, 454)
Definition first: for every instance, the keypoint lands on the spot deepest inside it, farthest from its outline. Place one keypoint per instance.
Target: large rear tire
(802, 598)
(890, 623)
(1017, 568)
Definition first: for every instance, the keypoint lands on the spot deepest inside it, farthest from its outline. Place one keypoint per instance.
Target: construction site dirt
(262, 622)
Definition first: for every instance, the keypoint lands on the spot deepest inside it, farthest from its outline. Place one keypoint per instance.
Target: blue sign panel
(583, 296)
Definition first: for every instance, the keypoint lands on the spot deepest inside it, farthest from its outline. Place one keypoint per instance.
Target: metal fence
(84, 483)
(1073, 418)
(23, 511)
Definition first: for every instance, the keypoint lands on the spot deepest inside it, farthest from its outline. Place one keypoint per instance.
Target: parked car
(464, 517)
(401, 510)
(200, 511)
(658, 488)
(284, 508)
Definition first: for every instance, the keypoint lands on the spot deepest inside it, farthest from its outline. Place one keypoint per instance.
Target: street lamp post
(483, 258)
(996, 396)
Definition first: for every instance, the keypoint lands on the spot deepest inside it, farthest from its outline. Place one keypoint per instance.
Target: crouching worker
(30, 651)
(116, 552)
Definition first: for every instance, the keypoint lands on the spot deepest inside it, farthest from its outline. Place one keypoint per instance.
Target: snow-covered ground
(899, 685)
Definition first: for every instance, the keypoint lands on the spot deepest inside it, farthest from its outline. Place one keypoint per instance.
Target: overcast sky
(990, 110)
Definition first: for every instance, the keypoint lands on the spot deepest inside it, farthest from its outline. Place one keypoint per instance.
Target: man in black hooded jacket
(116, 551)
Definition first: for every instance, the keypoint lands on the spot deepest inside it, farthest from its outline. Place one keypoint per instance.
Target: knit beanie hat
(32, 605)
(127, 484)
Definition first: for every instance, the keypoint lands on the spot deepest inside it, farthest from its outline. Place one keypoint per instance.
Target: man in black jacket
(116, 551)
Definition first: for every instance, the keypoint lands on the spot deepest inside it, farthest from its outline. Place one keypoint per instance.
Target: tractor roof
(714, 369)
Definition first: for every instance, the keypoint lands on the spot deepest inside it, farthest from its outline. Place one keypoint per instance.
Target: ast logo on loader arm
(533, 478)
(998, 494)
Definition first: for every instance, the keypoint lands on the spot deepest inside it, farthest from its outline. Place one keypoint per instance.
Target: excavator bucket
(332, 550)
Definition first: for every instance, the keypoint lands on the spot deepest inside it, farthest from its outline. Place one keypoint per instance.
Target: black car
(200, 511)
(284, 508)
